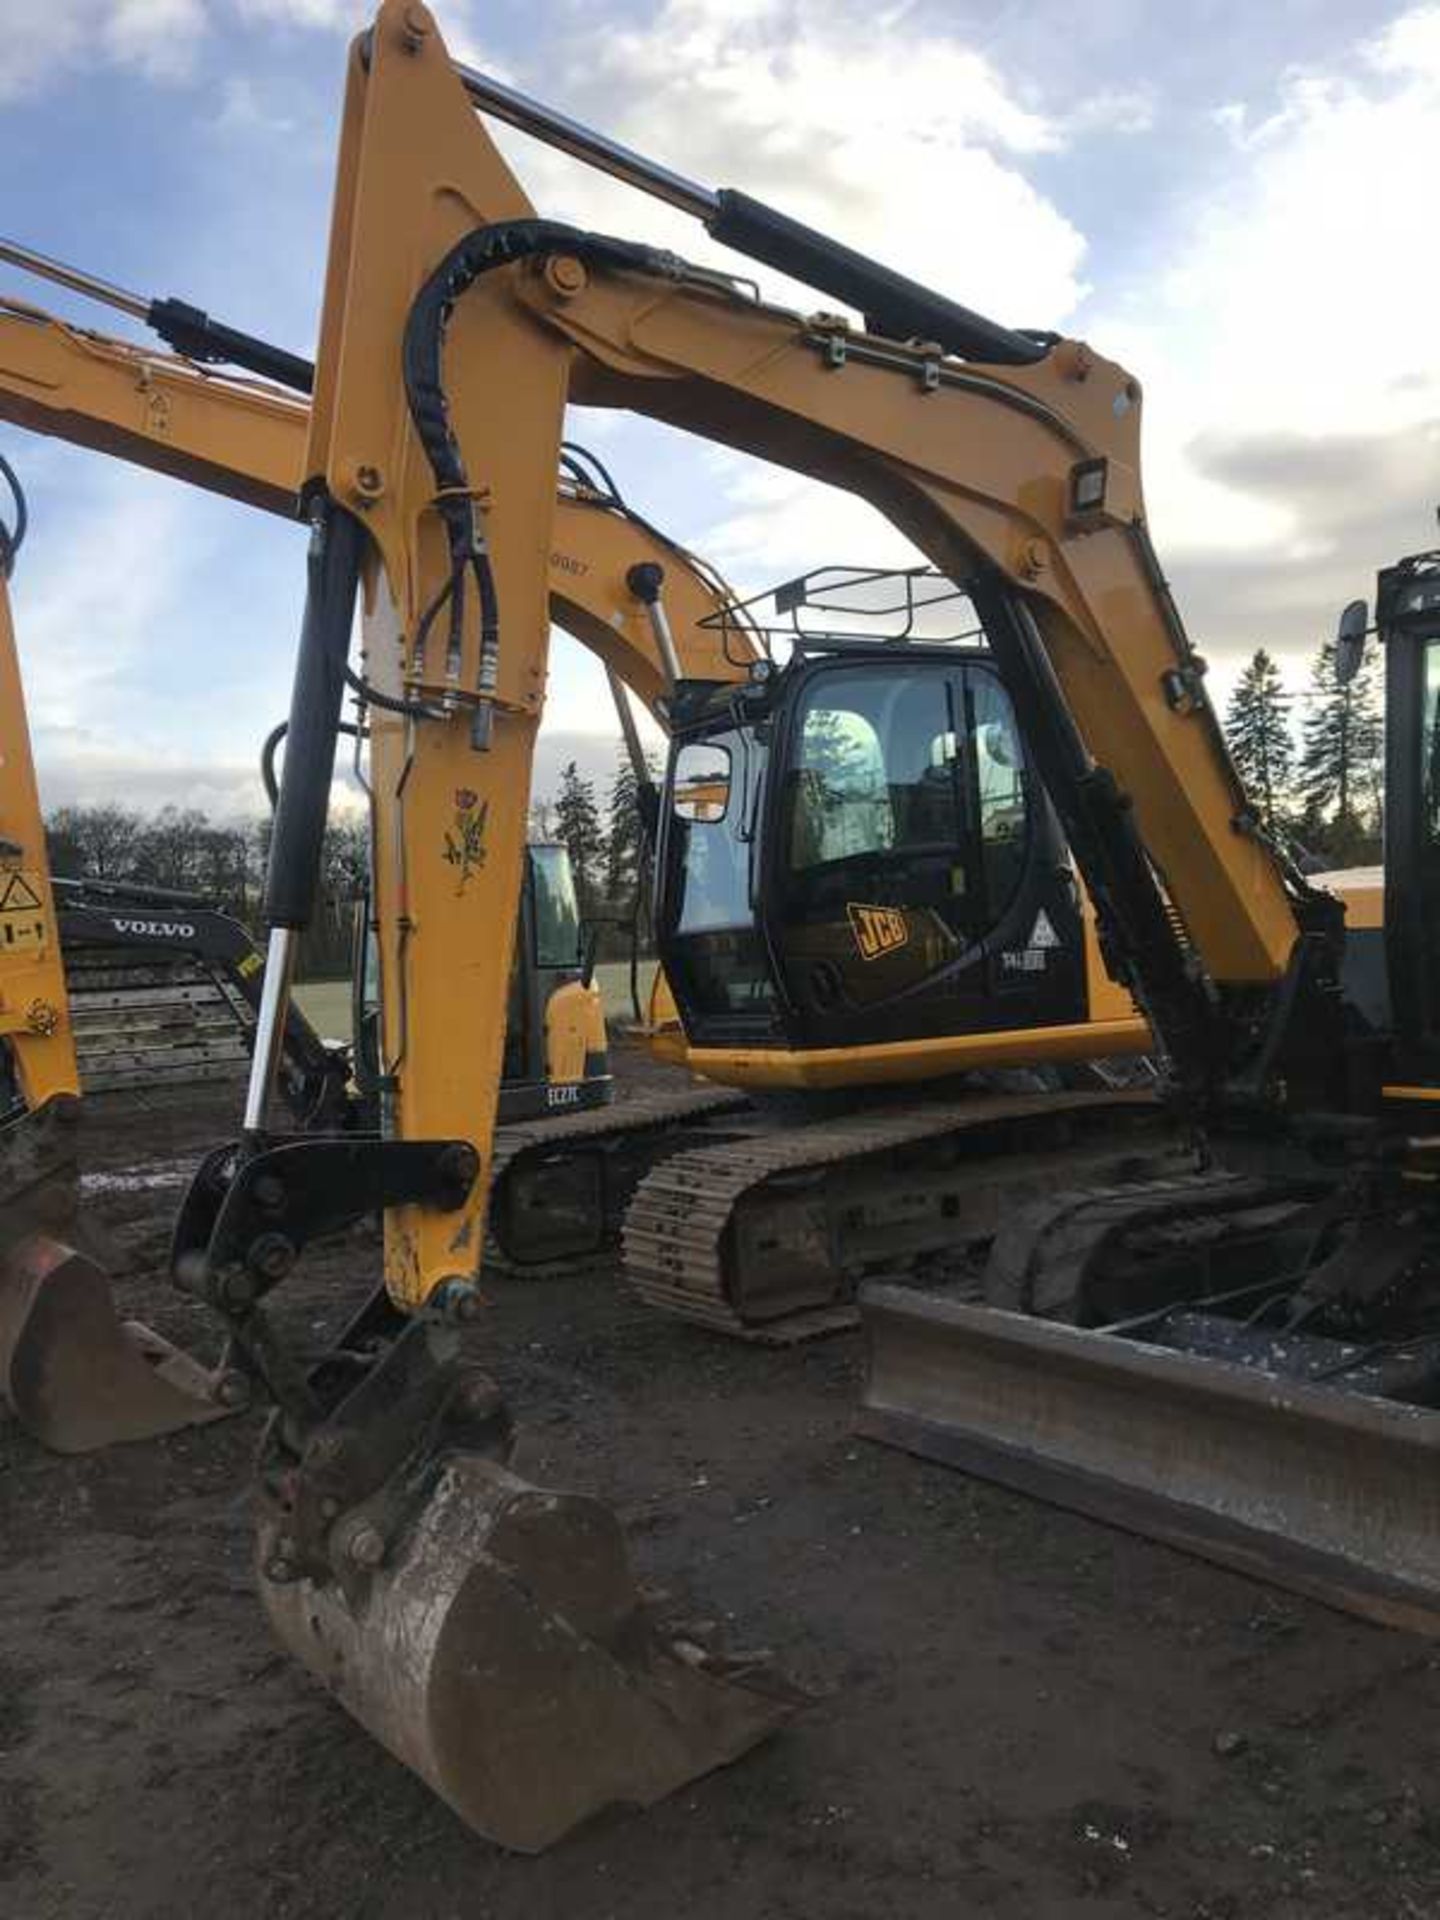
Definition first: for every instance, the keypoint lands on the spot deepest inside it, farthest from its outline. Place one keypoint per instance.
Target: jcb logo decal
(878, 930)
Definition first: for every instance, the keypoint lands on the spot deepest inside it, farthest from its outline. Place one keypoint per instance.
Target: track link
(615, 1143)
(765, 1238)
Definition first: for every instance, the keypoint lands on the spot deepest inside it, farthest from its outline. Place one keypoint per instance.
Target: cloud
(155, 38)
(246, 108)
(350, 15)
(78, 768)
(1351, 503)
(86, 616)
(1282, 327)
(910, 144)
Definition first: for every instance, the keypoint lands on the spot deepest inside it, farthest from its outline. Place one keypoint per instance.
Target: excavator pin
(496, 1643)
(75, 1374)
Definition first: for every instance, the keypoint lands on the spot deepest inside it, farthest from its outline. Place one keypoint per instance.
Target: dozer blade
(1331, 1493)
(503, 1653)
(76, 1375)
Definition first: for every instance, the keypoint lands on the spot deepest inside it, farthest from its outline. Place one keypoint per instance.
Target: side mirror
(700, 784)
(1350, 641)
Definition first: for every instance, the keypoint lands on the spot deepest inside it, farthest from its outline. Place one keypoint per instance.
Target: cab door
(915, 883)
(712, 950)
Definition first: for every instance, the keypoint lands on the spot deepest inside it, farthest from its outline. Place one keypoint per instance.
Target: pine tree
(625, 833)
(579, 830)
(1342, 755)
(1258, 728)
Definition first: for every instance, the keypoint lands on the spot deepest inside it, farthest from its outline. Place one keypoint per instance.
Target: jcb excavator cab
(556, 1054)
(556, 1057)
(855, 850)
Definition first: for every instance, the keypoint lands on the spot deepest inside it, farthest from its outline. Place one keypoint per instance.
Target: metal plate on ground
(1332, 1494)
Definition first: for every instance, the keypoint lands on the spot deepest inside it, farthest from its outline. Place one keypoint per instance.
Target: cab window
(557, 910)
(998, 759)
(874, 769)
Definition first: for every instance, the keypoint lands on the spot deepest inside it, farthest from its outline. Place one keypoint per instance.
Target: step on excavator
(853, 1136)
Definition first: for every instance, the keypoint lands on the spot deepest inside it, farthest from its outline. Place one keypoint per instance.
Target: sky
(1234, 201)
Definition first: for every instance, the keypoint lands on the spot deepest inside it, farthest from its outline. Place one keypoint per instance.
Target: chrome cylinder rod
(584, 143)
(664, 641)
(270, 1024)
(73, 277)
(644, 580)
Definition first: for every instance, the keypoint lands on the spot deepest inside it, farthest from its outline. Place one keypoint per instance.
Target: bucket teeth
(75, 1374)
(501, 1650)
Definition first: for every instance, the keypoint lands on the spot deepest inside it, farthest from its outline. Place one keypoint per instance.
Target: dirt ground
(1018, 1713)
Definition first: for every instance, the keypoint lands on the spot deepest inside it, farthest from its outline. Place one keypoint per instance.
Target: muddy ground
(1019, 1713)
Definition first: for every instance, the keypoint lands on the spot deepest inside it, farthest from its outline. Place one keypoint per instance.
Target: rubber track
(675, 1228)
(1039, 1261)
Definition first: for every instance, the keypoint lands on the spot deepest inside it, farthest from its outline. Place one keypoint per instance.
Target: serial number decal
(1035, 957)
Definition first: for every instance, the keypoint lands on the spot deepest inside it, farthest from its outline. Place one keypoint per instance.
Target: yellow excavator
(966, 948)
(1006, 972)
(488, 1631)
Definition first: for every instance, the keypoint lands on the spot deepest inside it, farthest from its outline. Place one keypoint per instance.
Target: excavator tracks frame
(766, 1237)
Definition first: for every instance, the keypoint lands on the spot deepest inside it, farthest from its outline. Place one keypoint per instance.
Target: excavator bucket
(503, 1653)
(74, 1374)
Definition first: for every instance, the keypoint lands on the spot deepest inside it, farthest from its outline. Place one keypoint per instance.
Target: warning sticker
(19, 892)
(1043, 934)
(22, 917)
(878, 930)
